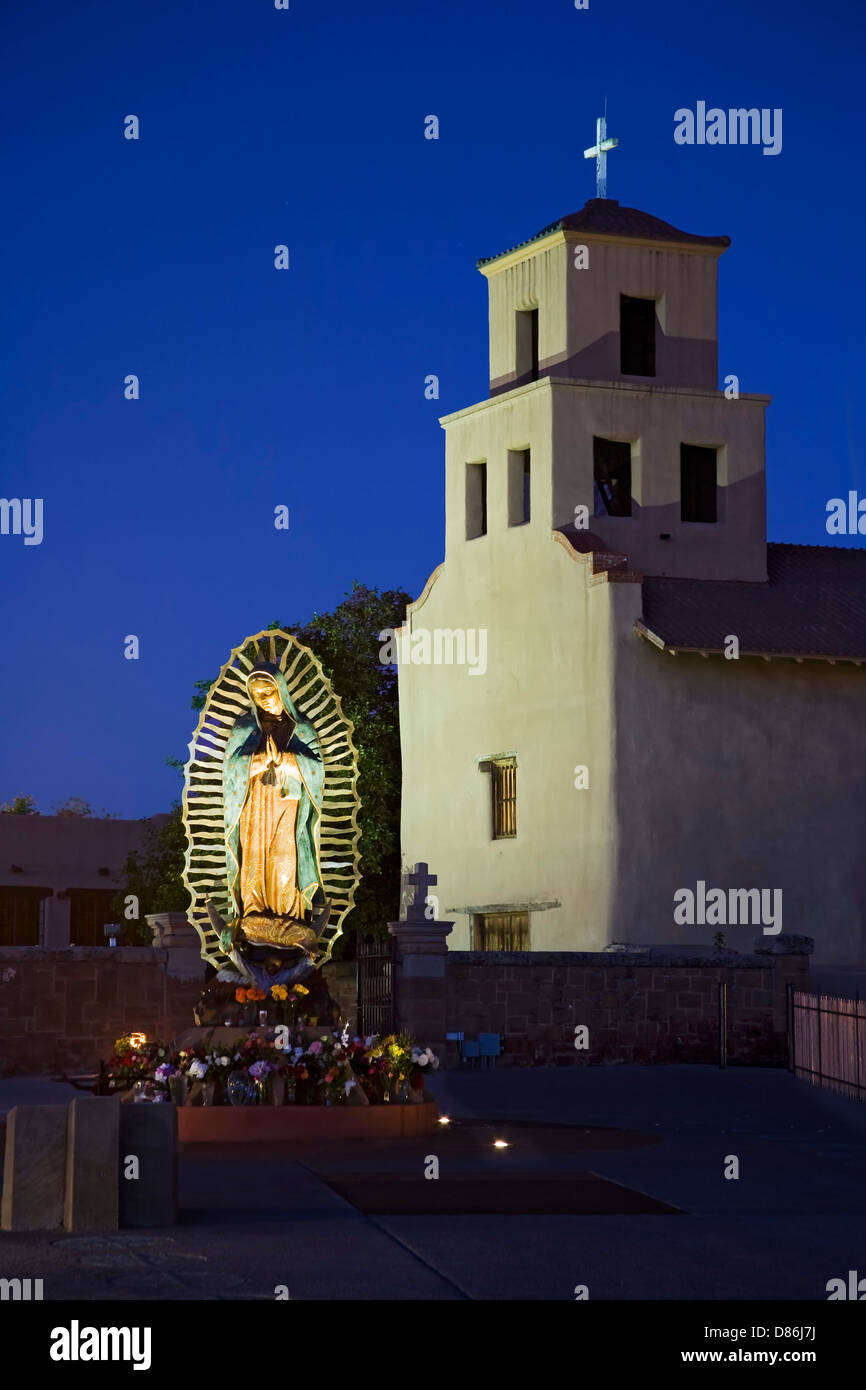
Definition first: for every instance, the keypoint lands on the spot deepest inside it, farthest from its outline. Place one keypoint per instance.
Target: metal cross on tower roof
(599, 154)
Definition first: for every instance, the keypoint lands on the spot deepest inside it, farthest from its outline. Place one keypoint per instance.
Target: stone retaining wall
(61, 1010)
(638, 1006)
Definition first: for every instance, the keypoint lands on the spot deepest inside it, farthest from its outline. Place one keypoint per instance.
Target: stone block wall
(341, 977)
(638, 1006)
(63, 1009)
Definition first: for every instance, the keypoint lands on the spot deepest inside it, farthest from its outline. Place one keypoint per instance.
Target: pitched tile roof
(813, 605)
(605, 217)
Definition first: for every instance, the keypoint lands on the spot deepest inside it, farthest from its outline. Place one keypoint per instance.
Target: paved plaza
(608, 1141)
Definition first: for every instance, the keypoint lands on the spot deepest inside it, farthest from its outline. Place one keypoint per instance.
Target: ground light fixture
(500, 1144)
(444, 1119)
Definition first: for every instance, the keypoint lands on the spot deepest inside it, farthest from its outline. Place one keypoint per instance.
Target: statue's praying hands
(268, 757)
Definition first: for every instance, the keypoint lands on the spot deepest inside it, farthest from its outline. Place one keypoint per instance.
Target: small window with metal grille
(503, 777)
(500, 931)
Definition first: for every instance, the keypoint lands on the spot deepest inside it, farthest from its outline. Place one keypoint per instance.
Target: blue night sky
(306, 387)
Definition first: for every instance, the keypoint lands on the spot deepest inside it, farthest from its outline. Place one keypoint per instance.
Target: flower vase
(278, 1089)
(402, 1096)
(178, 1088)
(241, 1089)
(208, 1092)
(264, 1090)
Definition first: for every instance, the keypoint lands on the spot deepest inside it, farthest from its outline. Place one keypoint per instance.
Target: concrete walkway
(794, 1218)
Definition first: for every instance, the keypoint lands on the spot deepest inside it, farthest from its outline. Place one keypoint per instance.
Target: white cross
(599, 154)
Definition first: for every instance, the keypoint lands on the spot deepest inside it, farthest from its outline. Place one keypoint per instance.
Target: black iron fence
(375, 960)
(827, 1041)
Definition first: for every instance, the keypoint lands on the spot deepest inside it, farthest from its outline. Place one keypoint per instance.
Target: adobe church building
(665, 702)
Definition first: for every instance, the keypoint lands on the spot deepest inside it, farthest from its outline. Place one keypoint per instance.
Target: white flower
(347, 1086)
(198, 1070)
(223, 1061)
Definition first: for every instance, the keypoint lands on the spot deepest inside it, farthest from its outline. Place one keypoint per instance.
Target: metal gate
(827, 1041)
(375, 961)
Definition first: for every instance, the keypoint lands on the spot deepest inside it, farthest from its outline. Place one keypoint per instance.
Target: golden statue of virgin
(279, 774)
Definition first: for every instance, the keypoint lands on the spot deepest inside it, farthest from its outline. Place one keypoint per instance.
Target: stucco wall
(545, 696)
(657, 422)
(741, 774)
(557, 420)
(578, 318)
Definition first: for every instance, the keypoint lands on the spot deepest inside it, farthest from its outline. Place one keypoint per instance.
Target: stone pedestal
(173, 932)
(420, 993)
(790, 955)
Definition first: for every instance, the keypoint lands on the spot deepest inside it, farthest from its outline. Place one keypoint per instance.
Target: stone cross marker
(421, 880)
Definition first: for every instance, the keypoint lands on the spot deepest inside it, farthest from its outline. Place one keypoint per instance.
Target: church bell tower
(604, 346)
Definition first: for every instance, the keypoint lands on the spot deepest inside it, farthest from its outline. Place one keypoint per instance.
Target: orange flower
(241, 995)
(255, 994)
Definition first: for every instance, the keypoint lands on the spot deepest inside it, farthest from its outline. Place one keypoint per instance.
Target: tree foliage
(19, 806)
(76, 806)
(347, 643)
(154, 873)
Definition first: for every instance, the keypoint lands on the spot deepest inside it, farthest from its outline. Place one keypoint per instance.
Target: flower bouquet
(288, 1000)
(424, 1061)
(251, 998)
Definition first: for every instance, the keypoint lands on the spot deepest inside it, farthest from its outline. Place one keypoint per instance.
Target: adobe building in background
(624, 691)
(60, 874)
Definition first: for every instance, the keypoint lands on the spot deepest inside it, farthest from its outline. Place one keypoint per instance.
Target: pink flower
(315, 1047)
